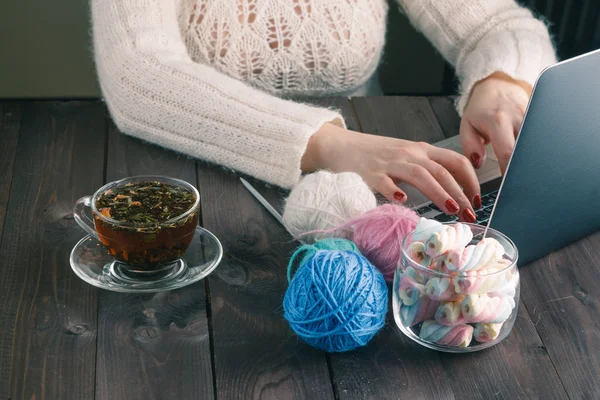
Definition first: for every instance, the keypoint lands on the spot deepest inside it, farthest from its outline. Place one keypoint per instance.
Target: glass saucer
(91, 262)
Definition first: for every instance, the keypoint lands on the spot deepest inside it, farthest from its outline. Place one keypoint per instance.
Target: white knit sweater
(206, 77)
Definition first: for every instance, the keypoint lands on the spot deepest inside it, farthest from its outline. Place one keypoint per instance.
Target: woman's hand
(493, 114)
(384, 162)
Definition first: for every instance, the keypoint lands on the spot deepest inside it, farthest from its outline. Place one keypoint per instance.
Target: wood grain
(10, 122)
(152, 346)
(47, 314)
(562, 295)
(256, 353)
(409, 118)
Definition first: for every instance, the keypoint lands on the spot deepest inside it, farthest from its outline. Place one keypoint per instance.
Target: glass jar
(457, 311)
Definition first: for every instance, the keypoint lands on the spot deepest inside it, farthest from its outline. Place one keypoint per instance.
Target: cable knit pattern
(484, 36)
(206, 77)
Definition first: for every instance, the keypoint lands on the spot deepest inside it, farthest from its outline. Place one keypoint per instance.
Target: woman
(206, 77)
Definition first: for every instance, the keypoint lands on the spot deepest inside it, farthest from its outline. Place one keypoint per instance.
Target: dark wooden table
(225, 337)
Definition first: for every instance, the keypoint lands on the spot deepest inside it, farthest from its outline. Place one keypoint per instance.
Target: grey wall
(45, 52)
(45, 49)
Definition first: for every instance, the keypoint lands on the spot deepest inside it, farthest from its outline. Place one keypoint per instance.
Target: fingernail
(399, 196)
(468, 215)
(475, 159)
(451, 206)
(477, 201)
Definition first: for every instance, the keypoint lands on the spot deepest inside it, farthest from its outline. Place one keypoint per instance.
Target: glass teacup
(140, 245)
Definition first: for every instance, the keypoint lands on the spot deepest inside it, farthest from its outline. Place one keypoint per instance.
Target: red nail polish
(477, 201)
(475, 159)
(469, 216)
(399, 196)
(451, 206)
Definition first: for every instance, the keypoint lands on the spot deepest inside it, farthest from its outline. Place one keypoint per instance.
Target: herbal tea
(146, 232)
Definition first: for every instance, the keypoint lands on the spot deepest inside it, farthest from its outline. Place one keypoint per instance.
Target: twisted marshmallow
(440, 289)
(499, 248)
(485, 309)
(410, 291)
(425, 229)
(422, 310)
(496, 279)
(508, 286)
(484, 333)
(453, 237)
(416, 252)
(458, 336)
(450, 314)
(410, 271)
(473, 257)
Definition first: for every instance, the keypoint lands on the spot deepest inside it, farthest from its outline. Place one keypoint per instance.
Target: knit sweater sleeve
(154, 91)
(480, 37)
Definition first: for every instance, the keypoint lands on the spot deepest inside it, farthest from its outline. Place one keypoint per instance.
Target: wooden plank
(409, 118)
(10, 122)
(518, 367)
(561, 293)
(256, 353)
(152, 346)
(445, 112)
(47, 314)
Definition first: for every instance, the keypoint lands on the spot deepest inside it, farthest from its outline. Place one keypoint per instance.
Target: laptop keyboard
(431, 211)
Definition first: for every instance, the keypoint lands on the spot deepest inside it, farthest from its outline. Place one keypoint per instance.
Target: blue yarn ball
(336, 301)
(309, 250)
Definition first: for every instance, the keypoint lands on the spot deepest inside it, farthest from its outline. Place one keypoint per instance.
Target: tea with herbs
(146, 232)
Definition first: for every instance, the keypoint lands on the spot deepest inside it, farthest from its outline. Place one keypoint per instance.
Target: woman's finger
(386, 186)
(447, 181)
(501, 132)
(517, 121)
(473, 143)
(419, 177)
(461, 169)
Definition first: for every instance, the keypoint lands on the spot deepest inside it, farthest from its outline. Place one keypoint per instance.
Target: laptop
(550, 194)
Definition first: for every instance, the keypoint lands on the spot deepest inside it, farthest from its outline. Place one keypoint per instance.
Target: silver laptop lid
(550, 196)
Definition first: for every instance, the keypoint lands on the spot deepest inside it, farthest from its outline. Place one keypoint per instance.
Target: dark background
(574, 26)
(45, 49)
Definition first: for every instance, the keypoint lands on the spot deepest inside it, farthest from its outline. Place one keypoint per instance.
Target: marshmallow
(422, 310)
(410, 291)
(479, 282)
(438, 265)
(452, 237)
(499, 248)
(425, 229)
(507, 287)
(485, 309)
(484, 333)
(449, 314)
(440, 289)
(497, 281)
(410, 271)
(416, 252)
(473, 257)
(458, 336)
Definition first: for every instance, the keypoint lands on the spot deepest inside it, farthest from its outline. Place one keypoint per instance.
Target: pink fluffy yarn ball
(378, 234)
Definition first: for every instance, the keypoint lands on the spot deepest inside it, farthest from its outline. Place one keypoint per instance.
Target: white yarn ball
(324, 200)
